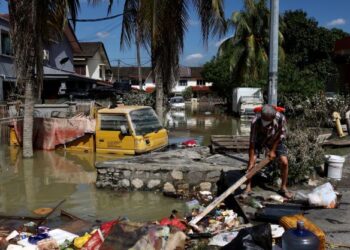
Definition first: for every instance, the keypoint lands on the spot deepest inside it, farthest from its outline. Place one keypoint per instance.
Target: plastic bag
(323, 195)
(253, 238)
(80, 241)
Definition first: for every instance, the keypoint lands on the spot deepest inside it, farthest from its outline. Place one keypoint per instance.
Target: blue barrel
(300, 239)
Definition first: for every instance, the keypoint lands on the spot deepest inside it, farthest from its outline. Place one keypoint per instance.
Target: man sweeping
(268, 131)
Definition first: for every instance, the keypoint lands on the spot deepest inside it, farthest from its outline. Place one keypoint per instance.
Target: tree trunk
(159, 98)
(28, 120)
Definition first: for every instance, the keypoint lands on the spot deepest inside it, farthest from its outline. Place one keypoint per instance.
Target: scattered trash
(189, 143)
(79, 242)
(42, 210)
(255, 203)
(253, 238)
(12, 235)
(222, 239)
(313, 183)
(324, 196)
(277, 231)
(277, 197)
(192, 204)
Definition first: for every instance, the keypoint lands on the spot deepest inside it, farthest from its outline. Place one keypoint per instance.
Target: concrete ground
(334, 222)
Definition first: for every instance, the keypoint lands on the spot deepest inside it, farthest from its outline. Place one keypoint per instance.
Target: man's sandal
(286, 194)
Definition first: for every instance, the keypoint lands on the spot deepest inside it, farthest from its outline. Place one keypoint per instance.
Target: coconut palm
(33, 23)
(162, 25)
(250, 43)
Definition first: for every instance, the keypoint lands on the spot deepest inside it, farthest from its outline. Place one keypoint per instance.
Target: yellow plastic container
(291, 222)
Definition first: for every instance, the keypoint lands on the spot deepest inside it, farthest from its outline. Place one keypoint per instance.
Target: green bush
(139, 98)
(315, 111)
(187, 93)
(304, 154)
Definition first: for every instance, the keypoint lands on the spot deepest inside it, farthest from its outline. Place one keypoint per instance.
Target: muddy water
(53, 176)
(203, 122)
(48, 178)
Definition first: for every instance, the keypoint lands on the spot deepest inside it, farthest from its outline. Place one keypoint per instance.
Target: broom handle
(230, 190)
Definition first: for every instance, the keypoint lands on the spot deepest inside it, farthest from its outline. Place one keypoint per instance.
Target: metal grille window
(200, 83)
(6, 48)
(113, 122)
(183, 83)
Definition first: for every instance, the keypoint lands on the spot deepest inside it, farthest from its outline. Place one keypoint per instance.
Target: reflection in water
(51, 176)
(204, 122)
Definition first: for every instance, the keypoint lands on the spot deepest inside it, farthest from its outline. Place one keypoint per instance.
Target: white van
(177, 102)
(244, 100)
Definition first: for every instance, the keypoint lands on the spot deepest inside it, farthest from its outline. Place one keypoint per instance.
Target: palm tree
(250, 43)
(33, 23)
(162, 26)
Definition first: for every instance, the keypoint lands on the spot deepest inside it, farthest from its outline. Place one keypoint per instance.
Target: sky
(329, 13)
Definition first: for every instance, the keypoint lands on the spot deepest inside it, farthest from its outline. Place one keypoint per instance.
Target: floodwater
(51, 176)
(203, 122)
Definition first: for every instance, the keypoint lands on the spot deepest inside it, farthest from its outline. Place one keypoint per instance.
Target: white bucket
(335, 166)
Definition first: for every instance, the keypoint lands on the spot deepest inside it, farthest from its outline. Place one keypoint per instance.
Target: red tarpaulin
(50, 132)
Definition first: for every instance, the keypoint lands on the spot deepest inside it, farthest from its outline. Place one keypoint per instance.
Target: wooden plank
(231, 143)
(232, 147)
(230, 190)
(229, 137)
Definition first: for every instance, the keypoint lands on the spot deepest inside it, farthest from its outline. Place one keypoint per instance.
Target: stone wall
(171, 172)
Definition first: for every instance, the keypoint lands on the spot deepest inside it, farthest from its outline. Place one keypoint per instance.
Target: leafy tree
(248, 48)
(217, 71)
(164, 24)
(309, 52)
(187, 93)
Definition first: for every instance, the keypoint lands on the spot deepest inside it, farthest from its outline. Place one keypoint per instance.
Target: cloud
(102, 34)
(336, 22)
(194, 57)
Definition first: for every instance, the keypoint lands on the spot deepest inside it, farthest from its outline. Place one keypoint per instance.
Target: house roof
(132, 72)
(70, 34)
(89, 49)
(5, 16)
(342, 46)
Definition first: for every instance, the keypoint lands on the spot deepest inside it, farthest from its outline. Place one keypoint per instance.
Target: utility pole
(273, 53)
(118, 70)
(138, 41)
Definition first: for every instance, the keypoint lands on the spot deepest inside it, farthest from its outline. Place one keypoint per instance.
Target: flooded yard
(51, 176)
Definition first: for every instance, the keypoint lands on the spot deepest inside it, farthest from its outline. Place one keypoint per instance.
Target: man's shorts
(281, 149)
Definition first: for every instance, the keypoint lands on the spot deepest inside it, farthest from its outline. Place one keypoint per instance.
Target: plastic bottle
(300, 239)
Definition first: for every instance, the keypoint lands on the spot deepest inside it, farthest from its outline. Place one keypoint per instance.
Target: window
(113, 122)
(80, 69)
(200, 83)
(183, 83)
(100, 72)
(145, 121)
(6, 48)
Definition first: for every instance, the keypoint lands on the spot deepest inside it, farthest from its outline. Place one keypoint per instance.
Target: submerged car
(129, 130)
(177, 102)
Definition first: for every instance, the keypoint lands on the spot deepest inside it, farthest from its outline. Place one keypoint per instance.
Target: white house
(189, 77)
(93, 61)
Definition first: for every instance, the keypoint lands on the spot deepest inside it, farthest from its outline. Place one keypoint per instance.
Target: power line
(97, 19)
